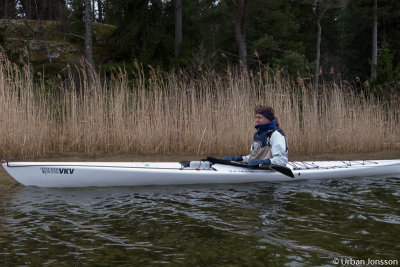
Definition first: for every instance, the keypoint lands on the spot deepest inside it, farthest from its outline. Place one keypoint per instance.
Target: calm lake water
(303, 223)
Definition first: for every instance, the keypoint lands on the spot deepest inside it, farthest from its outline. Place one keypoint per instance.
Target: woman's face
(260, 119)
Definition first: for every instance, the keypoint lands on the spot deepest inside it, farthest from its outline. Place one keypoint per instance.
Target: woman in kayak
(269, 142)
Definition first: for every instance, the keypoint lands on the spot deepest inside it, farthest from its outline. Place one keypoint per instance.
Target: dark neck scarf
(266, 127)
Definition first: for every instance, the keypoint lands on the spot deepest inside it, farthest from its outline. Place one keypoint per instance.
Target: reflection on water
(293, 224)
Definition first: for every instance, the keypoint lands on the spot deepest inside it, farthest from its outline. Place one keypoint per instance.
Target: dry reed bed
(171, 112)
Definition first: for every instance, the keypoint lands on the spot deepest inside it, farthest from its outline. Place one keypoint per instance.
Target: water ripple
(296, 224)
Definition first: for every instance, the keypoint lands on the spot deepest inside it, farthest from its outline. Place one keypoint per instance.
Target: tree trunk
(178, 27)
(374, 40)
(5, 9)
(93, 10)
(100, 8)
(106, 12)
(318, 56)
(240, 22)
(88, 33)
(28, 9)
(49, 8)
(62, 10)
(88, 47)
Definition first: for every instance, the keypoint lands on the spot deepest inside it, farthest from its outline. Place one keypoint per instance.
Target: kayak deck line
(299, 165)
(54, 164)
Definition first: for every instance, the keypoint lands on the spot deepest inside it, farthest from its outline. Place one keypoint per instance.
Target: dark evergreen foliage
(278, 33)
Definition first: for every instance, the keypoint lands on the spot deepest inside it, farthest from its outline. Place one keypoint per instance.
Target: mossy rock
(46, 43)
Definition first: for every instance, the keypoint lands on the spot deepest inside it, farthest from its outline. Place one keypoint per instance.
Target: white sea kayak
(85, 174)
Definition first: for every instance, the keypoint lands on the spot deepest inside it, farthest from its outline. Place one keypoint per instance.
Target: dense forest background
(354, 40)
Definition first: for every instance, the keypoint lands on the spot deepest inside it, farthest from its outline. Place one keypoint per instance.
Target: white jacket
(276, 150)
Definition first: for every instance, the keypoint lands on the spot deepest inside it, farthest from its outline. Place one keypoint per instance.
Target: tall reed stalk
(174, 112)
